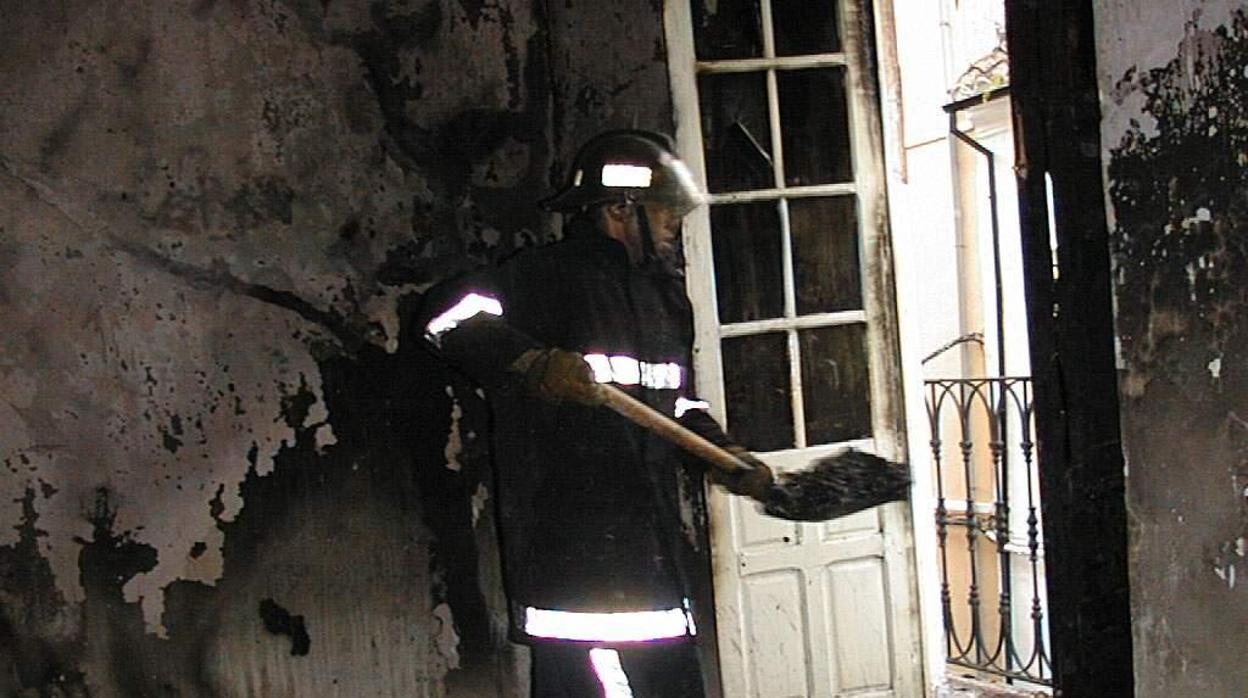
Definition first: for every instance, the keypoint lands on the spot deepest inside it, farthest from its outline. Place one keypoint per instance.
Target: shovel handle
(647, 417)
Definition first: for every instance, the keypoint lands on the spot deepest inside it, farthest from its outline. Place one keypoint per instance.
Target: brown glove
(559, 376)
(755, 482)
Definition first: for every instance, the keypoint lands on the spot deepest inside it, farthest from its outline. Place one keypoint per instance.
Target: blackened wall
(227, 468)
(1174, 87)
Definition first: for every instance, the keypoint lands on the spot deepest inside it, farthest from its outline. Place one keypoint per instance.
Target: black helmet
(627, 166)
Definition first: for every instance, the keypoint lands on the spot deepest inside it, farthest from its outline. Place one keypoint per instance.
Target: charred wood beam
(1056, 120)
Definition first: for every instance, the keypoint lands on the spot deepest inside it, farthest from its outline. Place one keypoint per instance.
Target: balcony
(991, 551)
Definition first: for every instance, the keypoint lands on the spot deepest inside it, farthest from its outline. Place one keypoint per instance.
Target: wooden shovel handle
(647, 417)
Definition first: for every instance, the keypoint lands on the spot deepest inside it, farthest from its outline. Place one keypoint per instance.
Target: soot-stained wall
(227, 468)
(1175, 86)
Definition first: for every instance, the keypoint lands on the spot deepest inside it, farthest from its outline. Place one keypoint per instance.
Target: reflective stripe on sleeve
(635, 626)
(467, 307)
(601, 366)
(662, 376)
(626, 370)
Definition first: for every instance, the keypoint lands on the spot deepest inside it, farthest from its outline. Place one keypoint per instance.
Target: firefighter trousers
(642, 670)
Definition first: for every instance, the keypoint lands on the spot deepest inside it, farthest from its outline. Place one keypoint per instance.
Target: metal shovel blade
(837, 485)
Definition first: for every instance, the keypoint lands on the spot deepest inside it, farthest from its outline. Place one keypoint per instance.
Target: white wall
(935, 40)
(922, 218)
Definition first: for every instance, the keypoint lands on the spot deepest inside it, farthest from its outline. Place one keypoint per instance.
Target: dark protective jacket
(597, 515)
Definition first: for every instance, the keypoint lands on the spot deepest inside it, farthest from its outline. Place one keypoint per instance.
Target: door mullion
(790, 313)
(768, 29)
(795, 379)
(786, 254)
(773, 91)
(777, 146)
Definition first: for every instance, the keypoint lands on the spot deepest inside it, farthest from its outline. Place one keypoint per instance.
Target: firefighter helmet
(627, 166)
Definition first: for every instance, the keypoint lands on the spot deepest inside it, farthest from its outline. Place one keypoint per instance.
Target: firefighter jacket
(596, 515)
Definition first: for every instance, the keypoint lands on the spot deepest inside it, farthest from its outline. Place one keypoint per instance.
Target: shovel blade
(838, 485)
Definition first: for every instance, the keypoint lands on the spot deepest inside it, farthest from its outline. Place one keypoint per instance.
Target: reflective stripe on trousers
(663, 669)
(610, 673)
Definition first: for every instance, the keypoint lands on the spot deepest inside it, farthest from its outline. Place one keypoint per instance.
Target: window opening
(778, 150)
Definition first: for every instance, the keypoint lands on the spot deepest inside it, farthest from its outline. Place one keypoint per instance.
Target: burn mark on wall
(1177, 185)
(169, 435)
(1179, 193)
(213, 236)
(40, 653)
(109, 558)
(291, 525)
(279, 621)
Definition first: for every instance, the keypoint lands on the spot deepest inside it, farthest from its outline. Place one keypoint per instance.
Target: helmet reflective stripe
(626, 370)
(610, 673)
(467, 307)
(630, 626)
(635, 176)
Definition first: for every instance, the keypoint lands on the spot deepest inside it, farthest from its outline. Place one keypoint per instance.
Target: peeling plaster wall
(1174, 79)
(228, 470)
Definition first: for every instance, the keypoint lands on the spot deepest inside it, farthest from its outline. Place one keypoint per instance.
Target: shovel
(830, 487)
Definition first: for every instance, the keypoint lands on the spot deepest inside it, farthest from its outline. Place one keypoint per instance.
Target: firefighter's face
(665, 229)
(622, 223)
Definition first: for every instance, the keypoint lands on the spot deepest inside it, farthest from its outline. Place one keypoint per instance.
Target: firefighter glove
(559, 376)
(755, 482)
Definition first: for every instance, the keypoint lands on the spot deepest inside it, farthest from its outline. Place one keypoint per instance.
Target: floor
(966, 687)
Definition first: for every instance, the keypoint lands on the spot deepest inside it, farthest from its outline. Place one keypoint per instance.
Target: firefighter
(602, 523)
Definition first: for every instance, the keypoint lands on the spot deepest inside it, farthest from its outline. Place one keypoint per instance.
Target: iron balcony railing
(988, 527)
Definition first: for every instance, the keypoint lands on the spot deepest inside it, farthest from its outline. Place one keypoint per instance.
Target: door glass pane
(805, 26)
(736, 130)
(835, 386)
(724, 29)
(757, 388)
(746, 247)
(825, 254)
(816, 126)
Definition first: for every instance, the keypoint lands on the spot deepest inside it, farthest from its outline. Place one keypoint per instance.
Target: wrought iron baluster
(966, 444)
(1039, 656)
(971, 406)
(1001, 463)
(936, 398)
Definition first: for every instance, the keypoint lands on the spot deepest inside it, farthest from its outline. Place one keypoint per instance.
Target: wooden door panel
(776, 632)
(861, 643)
